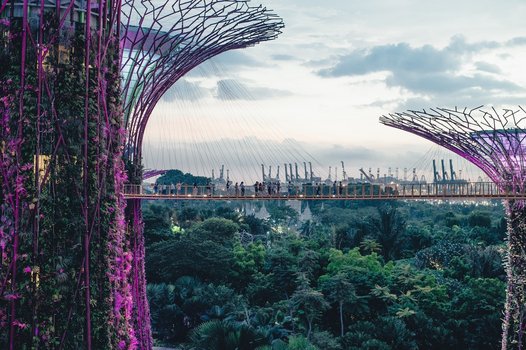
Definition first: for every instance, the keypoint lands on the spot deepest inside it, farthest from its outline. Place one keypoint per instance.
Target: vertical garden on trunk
(65, 260)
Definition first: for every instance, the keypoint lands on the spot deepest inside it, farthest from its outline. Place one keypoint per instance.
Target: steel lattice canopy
(493, 141)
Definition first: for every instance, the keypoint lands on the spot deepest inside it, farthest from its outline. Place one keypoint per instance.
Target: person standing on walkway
(178, 188)
(236, 188)
(242, 189)
(208, 188)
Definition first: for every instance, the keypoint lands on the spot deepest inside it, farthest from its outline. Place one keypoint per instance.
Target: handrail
(362, 191)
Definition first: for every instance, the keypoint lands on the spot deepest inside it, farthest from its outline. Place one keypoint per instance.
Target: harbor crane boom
(366, 175)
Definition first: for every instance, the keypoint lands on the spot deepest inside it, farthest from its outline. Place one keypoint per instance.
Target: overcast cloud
(428, 70)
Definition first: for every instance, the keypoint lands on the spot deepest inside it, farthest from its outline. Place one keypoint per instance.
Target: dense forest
(353, 275)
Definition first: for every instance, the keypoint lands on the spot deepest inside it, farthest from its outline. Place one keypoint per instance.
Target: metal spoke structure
(495, 142)
(78, 82)
(163, 40)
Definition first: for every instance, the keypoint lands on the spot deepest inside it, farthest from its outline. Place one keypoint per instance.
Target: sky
(318, 90)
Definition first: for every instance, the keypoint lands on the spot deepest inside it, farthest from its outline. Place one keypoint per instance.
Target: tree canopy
(361, 277)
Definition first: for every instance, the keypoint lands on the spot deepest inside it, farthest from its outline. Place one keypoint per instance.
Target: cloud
(458, 45)
(324, 62)
(518, 41)
(237, 58)
(186, 91)
(395, 58)
(445, 82)
(432, 72)
(226, 64)
(283, 57)
(487, 67)
(231, 89)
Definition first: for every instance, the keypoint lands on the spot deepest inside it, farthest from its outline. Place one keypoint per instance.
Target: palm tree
(221, 335)
(388, 227)
(370, 246)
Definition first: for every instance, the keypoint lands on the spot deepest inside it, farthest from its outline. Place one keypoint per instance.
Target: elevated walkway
(363, 191)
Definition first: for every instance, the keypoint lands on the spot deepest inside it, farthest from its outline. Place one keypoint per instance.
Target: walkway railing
(360, 191)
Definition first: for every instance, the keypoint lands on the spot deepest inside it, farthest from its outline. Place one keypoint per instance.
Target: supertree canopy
(75, 77)
(496, 143)
(163, 40)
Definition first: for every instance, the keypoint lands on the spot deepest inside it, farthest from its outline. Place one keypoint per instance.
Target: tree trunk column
(515, 264)
(141, 313)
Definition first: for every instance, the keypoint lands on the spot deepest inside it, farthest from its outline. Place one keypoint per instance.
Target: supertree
(161, 41)
(496, 143)
(65, 259)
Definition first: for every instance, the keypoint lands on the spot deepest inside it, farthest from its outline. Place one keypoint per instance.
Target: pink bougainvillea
(119, 261)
